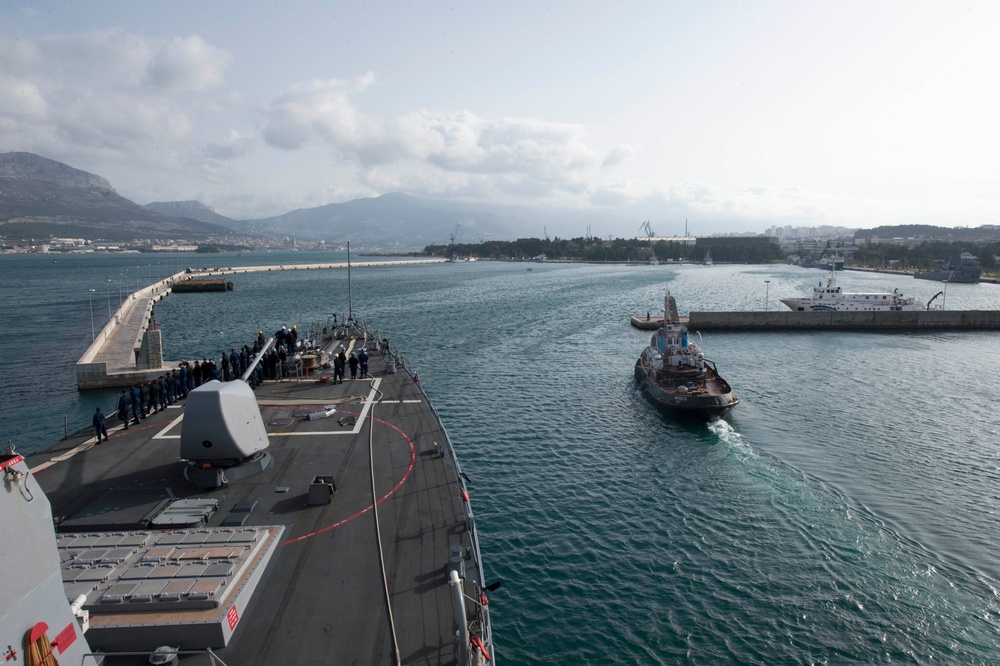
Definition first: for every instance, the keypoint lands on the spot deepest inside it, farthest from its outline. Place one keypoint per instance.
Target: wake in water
(727, 435)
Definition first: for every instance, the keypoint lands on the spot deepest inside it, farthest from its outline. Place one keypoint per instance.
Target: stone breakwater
(921, 320)
(129, 349)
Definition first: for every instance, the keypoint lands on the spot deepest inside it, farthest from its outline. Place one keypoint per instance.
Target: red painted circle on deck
(399, 484)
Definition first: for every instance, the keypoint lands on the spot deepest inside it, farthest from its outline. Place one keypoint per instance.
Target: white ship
(828, 296)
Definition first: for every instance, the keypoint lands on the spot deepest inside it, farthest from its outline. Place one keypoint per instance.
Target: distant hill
(193, 210)
(390, 220)
(41, 197)
(988, 232)
(28, 167)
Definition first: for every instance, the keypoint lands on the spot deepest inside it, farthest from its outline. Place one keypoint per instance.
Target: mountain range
(40, 197)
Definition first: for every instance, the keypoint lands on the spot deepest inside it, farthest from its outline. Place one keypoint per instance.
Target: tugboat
(675, 374)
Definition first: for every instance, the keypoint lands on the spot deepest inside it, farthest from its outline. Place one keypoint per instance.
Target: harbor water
(844, 511)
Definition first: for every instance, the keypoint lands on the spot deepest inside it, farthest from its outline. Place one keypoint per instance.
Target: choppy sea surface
(845, 510)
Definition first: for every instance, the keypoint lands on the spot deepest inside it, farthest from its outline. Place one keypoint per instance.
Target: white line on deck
(167, 428)
(369, 401)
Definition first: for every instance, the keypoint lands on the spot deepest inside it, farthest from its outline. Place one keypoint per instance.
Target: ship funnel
(223, 435)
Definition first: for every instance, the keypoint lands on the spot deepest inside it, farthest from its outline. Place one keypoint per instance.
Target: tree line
(926, 254)
(619, 249)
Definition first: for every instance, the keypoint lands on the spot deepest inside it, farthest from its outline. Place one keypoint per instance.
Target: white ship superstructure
(828, 296)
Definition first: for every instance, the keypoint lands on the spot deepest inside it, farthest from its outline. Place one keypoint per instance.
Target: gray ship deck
(321, 597)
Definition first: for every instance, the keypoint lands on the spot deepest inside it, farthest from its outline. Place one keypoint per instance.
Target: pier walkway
(128, 349)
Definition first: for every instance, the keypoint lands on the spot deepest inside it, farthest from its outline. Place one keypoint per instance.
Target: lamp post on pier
(107, 290)
(90, 297)
(767, 287)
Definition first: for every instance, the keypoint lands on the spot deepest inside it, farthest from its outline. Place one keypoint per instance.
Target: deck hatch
(186, 513)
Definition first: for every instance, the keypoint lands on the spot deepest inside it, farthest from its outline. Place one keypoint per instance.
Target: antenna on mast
(350, 306)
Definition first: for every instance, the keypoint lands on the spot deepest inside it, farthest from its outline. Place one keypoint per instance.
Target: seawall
(920, 320)
(127, 350)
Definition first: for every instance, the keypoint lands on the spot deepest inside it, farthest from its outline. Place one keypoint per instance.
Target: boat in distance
(828, 263)
(965, 270)
(828, 296)
(674, 373)
(198, 285)
(291, 520)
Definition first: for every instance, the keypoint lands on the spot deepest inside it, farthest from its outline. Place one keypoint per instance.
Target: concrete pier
(126, 351)
(921, 320)
(129, 350)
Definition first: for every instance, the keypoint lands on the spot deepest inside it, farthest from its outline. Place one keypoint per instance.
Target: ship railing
(479, 625)
(87, 427)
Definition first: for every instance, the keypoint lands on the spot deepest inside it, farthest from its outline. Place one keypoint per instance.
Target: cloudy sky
(736, 115)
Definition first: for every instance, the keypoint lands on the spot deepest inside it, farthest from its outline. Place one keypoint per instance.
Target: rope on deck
(378, 529)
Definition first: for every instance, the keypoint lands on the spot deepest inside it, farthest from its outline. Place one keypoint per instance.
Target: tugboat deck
(321, 597)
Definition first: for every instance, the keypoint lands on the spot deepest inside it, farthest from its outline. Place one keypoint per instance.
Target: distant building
(737, 248)
(683, 240)
(735, 241)
(173, 248)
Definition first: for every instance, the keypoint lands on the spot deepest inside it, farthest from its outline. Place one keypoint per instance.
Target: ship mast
(350, 306)
(670, 315)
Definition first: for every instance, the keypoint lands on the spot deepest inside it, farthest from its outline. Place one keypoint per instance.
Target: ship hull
(808, 304)
(362, 505)
(964, 270)
(708, 406)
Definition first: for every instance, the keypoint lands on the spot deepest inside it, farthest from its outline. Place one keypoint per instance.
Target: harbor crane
(455, 233)
(645, 227)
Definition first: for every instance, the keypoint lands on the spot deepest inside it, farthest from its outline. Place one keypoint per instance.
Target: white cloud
(21, 99)
(128, 108)
(188, 63)
(320, 110)
(444, 153)
(618, 155)
(772, 205)
(235, 146)
(115, 103)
